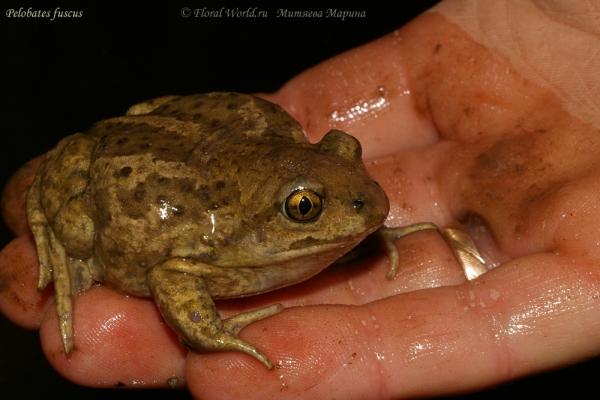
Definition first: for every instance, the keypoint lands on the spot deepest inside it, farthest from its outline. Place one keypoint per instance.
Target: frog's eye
(303, 205)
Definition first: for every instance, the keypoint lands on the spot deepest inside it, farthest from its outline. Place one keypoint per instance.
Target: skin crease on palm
(452, 133)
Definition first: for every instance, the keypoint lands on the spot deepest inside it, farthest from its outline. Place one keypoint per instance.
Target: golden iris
(303, 205)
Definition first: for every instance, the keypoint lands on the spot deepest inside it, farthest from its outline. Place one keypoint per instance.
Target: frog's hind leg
(188, 308)
(70, 275)
(39, 227)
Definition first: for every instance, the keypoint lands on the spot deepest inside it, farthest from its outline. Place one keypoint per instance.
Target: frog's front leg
(185, 303)
(383, 239)
(454, 234)
(387, 237)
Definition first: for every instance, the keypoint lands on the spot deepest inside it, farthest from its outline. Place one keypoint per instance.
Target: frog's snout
(373, 205)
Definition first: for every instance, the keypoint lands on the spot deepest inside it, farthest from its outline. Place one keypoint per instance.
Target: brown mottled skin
(183, 200)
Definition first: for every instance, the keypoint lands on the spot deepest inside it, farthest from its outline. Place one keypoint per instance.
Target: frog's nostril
(358, 204)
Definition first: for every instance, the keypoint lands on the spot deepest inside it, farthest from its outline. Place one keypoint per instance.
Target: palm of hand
(456, 135)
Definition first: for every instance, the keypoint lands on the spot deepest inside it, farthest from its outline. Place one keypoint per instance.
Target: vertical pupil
(304, 205)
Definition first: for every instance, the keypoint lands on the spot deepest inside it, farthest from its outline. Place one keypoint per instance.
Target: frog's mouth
(305, 253)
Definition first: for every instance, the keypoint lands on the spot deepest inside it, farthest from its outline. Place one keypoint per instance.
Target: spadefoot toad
(190, 199)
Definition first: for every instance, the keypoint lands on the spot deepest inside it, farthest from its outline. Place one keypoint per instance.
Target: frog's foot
(387, 236)
(70, 276)
(188, 308)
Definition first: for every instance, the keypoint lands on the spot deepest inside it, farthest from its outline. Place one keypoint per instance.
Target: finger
(506, 324)
(19, 270)
(365, 92)
(472, 335)
(14, 194)
(119, 341)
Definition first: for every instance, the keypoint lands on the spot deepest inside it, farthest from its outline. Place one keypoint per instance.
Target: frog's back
(215, 117)
(159, 181)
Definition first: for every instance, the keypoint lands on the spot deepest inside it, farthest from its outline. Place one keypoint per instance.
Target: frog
(192, 199)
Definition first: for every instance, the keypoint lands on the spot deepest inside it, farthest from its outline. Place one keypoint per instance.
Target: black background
(58, 77)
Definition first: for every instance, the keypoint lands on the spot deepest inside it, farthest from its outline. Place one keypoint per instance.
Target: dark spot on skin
(161, 199)
(225, 201)
(139, 195)
(215, 123)
(163, 180)
(144, 145)
(120, 384)
(168, 252)
(198, 104)
(195, 316)
(250, 126)
(186, 186)
(518, 228)
(232, 106)
(178, 211)
(438, 47)
(122, 140)
(163, 149)
(220, 185)
(126, 171)
(196, 116)
(204, 187)
(267, 132)
(214, 206)
(204, 196)
(4, 284)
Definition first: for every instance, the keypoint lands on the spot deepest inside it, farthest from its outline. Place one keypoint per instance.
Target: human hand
(452, 132)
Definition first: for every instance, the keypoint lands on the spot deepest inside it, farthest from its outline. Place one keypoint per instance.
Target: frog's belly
(230, 281)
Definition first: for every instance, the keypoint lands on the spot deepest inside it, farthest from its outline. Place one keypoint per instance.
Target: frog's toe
(388, 236)
(237, 344)
(236, 323)
(42, 239)
(62, 290)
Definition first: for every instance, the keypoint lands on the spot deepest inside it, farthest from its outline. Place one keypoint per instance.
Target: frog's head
(318, 200)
